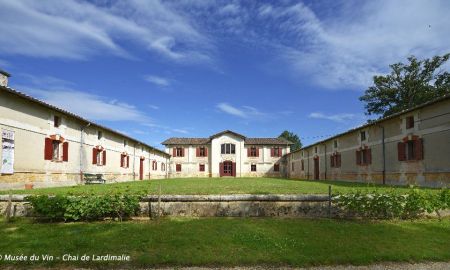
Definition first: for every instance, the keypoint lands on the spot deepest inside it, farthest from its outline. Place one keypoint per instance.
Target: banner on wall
(7, 166)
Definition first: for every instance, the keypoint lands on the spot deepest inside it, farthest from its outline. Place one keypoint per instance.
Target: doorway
(316, 168)
(227, 168)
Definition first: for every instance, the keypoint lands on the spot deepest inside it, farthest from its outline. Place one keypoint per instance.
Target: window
(303, 165)
(292, 166)
(303, 153)
(335, 160)
(410, 149)
(363, 156)
(409, 122)
(163, 167)
(56, 121)
(154, 165)
(228, 148)
(201, 167)
(253, 151)
(202, 151)
(315, 149)
(99, 135)
(125, 143)
(253, 167)
(178, 167)
(178, 152)
(124, 161)
(276, 152)
(335, 143)
(276, 167)
(98, 156)
(56, 150)
(363, 135)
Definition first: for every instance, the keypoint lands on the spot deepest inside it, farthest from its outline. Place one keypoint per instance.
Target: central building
(227, 154)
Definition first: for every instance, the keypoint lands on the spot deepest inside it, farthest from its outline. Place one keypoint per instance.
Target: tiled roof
(253, 141)
(35, 100)
(189, 141)
(225, 132)
(267, 141)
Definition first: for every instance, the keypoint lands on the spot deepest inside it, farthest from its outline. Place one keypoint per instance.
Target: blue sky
(159, 69)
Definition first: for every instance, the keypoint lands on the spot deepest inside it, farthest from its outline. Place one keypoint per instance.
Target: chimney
(4, 78)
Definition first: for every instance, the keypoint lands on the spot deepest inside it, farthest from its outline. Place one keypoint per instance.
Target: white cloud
(157, 80)
(76, 30)
(244, 112)
(340, 117)
(360, 40)
(154, 107)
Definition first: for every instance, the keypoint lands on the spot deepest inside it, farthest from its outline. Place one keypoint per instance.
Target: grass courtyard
(214, 186)
(229, 241)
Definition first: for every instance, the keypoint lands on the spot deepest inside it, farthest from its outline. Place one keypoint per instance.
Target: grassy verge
(228, 242)
(214, 186)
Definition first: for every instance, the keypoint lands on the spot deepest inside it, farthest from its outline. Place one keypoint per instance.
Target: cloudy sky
(159, 69)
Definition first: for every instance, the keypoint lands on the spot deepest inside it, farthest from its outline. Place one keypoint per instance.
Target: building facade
(411, 147)
(46, 146)
(227, 154)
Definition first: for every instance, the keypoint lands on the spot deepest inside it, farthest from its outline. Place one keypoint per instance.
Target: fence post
(159, 201)
(8, 208)
(329, 201)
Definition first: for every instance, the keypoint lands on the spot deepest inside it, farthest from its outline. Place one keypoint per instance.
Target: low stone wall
(308, 206)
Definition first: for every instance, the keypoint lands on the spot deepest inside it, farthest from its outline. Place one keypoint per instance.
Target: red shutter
(257, 151)
(419, 149)
(221, 169)
(182, 152)
(234, 169)
(121, 160)
(249, 152)
(128, 161)
(401, 151)
(197, 152)
(272, 152)
(48, 149)
(94, 156)
(332, 161)
(104, 157)
(65, 151)
(369, 156)
(174, 152)
(206, 151)
(358, 159)
(338, 160)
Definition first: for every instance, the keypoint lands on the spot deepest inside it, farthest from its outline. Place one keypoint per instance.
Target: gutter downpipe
(81, 150)
(384, 155)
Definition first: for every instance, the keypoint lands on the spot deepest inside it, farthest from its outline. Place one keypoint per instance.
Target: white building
(227, 154)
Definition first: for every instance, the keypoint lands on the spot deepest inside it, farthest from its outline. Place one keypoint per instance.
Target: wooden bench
(93, 179)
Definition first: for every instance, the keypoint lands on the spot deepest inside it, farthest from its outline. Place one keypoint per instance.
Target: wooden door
(316, 169)
(227, 168)
(141, 169)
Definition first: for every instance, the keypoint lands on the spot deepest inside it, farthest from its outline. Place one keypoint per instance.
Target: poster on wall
(7, 166)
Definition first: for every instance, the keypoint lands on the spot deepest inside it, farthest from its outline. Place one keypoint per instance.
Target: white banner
(7, 152)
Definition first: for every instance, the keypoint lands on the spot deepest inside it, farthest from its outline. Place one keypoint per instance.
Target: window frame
(253, 168)
(178, 167)
(276, 167)
(201, 167)
(228, 149)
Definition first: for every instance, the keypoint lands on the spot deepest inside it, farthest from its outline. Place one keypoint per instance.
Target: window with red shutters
(65, 151)
(201, 151)
(178, 167)
(179, 152)
(253, 151)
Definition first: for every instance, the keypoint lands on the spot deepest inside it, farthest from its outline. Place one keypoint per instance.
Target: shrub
(392, 204)
(87, 208)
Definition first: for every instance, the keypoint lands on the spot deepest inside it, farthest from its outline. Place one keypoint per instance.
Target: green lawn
(231, 241)
(214, 186)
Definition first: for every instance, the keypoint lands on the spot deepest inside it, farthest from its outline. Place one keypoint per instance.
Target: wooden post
(8, 208)
(329, 201)
(159, 202)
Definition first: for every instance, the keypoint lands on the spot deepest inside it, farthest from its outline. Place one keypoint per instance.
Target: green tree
(407, 85)
(292, 137)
